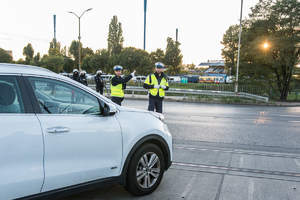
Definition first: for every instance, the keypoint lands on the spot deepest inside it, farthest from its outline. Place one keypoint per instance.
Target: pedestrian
(118, 85)
(82, 78)
(156, 83)
(99, 82)
(75, 75)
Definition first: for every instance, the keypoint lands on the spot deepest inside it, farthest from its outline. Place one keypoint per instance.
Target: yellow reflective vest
(116, 91)
(154, 81)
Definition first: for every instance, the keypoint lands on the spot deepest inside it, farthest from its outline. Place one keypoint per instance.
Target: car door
(81, 144)
(21, 142)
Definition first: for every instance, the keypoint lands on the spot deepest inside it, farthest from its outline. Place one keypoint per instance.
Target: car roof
(23, 69)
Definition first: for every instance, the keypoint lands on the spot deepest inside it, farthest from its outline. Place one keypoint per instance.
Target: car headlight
(158, 115)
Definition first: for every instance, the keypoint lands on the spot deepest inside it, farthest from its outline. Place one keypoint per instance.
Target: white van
(139, 79)
(174, 79)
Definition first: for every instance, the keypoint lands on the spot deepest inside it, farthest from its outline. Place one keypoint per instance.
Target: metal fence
(257, 90)
(187, 92)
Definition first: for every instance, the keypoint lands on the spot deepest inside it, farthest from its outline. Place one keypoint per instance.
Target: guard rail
(197, 92)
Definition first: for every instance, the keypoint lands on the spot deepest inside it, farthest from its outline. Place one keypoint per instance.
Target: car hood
(127, 109)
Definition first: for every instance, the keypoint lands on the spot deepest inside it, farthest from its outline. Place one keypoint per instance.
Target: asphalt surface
(224, 152)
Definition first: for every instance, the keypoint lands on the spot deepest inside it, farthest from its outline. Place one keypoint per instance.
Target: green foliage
(5, 57)
(54, 48)
(28, 51)
(112, 61)
(87, 52)
(135, 59)
(99, 60)
(37, 59)
(173, 58)
(229, 52)
(157, 56)
(85, 65)
(74, 50)
(146, 66)
(53, 63)
(275, 23)
(115, 36)
(69, 64)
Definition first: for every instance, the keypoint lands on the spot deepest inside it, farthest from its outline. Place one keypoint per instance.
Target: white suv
(59, 137)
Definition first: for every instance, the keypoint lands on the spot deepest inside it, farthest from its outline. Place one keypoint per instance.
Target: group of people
(80, 77)
(156, 83)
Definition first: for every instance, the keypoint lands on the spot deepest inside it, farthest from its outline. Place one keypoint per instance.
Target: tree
(173, 58)
(28, 52)
(87, 52)
(69, 64)
(136, 59)
(99, 60)
(53, 63)
(54, 48)
(5, 57)
(74, 50)
(85, 65)
(157, 56)
(115, 36)
(229, 52)
(112, 61)
(275, 23)
(37, 59)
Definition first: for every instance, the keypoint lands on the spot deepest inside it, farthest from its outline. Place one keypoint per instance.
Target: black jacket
(83, 80)
(99, 81)
(119, 80)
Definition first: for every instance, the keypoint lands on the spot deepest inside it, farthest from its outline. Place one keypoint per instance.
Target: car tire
(145, 170)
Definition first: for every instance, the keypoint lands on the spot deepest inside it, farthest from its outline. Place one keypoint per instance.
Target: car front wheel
(145, 170)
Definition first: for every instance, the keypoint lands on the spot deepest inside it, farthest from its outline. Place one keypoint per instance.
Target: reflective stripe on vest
(154, 81)
(116, 91)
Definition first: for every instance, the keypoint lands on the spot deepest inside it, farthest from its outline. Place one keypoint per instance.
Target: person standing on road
(75, 75)
(99, 82)
(82, 78)
(118, 85)
(156, 83)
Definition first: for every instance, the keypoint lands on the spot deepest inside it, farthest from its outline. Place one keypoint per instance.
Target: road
(225, 152)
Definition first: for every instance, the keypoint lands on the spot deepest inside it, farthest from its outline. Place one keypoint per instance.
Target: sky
(201, 24)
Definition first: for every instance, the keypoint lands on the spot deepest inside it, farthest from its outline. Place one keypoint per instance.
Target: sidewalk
(186, 99)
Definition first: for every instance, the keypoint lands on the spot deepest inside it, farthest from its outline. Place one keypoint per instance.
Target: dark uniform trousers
(155, 104)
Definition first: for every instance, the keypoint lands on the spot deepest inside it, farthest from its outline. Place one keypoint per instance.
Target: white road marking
(250, 189)
(241, 163)
(297, 162)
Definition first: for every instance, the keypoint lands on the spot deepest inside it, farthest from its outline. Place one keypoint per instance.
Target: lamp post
(238, 60)
(79, 34)
(145, 10)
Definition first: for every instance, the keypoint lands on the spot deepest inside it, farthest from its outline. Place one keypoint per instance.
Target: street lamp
(79, 34)
(238, 60)
(145, 10)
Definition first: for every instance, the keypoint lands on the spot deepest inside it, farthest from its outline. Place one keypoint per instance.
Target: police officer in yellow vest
(156, 83)
(118, 85)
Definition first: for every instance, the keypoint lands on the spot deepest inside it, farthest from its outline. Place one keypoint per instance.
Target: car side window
(56, 97)
(10, 96)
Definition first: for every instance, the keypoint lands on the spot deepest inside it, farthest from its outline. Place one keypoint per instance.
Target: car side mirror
(109, 109)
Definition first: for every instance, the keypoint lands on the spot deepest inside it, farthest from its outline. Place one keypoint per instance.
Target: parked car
(174, 79)
(59, 137)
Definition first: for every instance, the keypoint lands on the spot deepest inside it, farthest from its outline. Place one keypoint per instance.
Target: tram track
(284, 174)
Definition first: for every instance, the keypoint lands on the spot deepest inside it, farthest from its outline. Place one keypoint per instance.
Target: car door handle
(57, 129)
